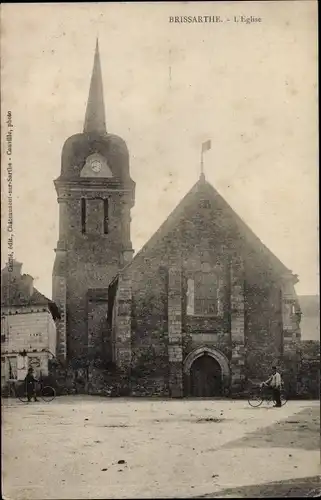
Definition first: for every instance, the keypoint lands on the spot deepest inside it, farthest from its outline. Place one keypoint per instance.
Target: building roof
(204, 190)
(17, 290)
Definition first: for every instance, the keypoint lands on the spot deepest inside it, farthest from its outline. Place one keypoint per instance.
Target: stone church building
(200, 310)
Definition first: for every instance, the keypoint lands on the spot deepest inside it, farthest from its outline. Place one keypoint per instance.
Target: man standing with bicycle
(275, 382)
(30, 382)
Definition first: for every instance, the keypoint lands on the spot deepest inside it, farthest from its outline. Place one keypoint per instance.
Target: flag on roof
(206, 145)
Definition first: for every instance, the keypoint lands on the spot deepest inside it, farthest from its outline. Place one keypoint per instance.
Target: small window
(205, 204)
(83, 215)
(3, 338)
(106, 216)
(190, 297)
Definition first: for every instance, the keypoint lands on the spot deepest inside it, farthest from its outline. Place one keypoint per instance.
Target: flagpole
(205, 147)
(202, 162)
(202, 176)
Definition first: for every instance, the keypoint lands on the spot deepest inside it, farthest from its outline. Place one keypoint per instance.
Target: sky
(249, 87)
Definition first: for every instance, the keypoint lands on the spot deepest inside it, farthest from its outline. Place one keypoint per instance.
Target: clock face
(96, 165)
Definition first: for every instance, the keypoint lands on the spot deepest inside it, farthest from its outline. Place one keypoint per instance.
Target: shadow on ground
(192, 420)
(293, 488)
(299, 431)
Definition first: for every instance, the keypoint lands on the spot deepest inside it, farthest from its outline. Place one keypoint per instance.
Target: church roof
(204, 190)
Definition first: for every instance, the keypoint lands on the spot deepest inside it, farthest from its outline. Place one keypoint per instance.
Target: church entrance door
(205, 377)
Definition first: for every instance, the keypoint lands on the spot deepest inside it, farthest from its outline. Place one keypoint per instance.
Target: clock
(96, 165)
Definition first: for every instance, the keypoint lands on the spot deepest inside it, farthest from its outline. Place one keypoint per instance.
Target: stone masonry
(175, 353)
(122, 322)
(237, 322)
(59, 284)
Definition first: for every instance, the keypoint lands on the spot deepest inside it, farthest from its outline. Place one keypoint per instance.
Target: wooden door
(206, 378)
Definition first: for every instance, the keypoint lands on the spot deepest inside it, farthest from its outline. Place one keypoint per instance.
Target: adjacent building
(28, 331)
(310, 322)
(309, 370)
(201, 310)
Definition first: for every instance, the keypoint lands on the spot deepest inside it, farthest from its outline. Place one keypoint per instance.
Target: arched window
(203, 294)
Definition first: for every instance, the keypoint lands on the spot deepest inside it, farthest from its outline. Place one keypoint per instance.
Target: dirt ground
(94, 448)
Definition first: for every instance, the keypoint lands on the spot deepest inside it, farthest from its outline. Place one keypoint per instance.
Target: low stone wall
(146, 387)
(308, 383)
(150, 376)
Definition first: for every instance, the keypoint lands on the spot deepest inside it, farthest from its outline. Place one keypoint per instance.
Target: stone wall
(122, 330)
(59, 295)
(92, 258)
(309, 369)
(149, 327)
(82, 276)
(175, 348)
(263, 322)
(237, 361)
(59, 277)
(97, 310)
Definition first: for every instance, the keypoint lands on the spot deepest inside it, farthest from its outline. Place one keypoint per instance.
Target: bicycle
(263, 393)
(46, 393)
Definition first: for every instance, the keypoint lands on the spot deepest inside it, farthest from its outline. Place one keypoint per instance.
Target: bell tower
(95, 195)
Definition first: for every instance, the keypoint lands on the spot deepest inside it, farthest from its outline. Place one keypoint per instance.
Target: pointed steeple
(95, 113)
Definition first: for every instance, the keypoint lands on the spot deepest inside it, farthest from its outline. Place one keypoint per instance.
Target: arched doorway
(206, 377)
(206, 373)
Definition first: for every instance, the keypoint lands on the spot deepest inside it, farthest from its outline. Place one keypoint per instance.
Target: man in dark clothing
(30, 382)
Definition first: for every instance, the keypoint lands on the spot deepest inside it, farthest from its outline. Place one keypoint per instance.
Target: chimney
(15, 268)
(10, 280)
(28, 284)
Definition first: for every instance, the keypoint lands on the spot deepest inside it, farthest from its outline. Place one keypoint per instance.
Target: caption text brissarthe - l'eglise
(214, 19)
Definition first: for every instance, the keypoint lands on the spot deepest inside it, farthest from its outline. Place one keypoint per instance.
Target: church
(202, 309)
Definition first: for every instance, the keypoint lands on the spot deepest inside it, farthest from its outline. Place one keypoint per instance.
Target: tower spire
(95, 120)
